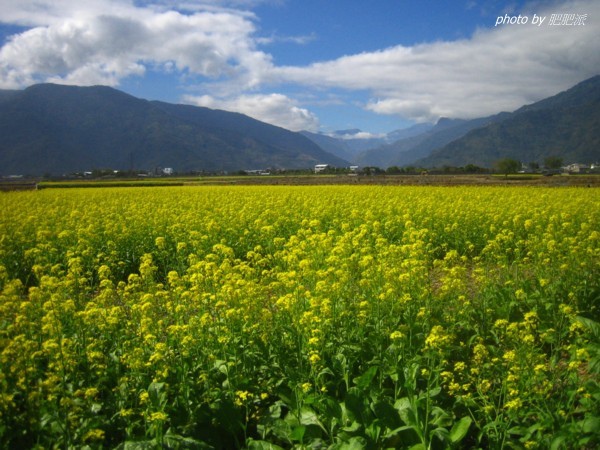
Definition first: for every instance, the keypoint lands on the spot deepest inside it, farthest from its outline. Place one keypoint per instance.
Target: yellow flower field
(300, 317)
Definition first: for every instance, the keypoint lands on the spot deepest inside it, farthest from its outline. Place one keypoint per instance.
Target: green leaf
(364, 381)
(275, 410)
(430, 393)
(281, 429)
(352, 428)
(399, 430)
(155, 387)
(355, 406)
(557, 442)
(176, 441)
(591, 325)
(309, 417)
(441, 433)
(406, 412)
(402, 404)
(354, 443)
(326, 371)
(591, 424)
(298, 433)
(418, 447)
(387, 414)
(518, 431)
(139, 445)
(329, 408)
(221, 366)
(459, 429)
(441, 418)
(96, 407)
(410, 376)
(373, 431)
(262, 445)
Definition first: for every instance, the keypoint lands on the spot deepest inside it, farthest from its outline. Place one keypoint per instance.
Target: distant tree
(533, 166)
(472, 168)
(508, 165)
(393, 170)
(553, 162)
(372, 170)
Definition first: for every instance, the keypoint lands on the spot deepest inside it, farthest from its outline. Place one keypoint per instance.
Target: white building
(576, 168)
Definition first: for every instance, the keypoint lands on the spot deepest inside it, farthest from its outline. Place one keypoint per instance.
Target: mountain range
(57, 129)
(351, 144)
(404, 152)
(566, 125)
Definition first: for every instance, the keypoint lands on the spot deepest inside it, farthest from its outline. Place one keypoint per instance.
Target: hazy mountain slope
(62, 129)
(347, 145)
(333, 145)
(566, 125)
(7, 94)
(414, 130)
(406, 151)
(283, 143)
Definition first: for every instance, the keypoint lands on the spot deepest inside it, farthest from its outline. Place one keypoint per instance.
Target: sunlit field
(314, 317)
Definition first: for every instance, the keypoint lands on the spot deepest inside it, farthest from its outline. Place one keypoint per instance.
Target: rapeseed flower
(158, 416)
(94, 435)
(437, 338)
(199, 290)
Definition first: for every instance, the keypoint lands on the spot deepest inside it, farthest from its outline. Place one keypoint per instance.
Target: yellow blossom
(91, 393)
(94, 435)
(144, 397)
(396, 335)
(242, 397)
(512, 405)
(158, 416)
(314, 358)
(509, 356)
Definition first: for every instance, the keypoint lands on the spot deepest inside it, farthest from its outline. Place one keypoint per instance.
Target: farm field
(433, 179)
(322, 317)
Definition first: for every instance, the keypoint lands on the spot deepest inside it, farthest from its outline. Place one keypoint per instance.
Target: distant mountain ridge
(566, 125)
(56, 129)
(351, 144)
(406, 151)
(334, 145)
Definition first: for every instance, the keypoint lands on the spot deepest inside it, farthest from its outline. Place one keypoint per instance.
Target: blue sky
(320, 65)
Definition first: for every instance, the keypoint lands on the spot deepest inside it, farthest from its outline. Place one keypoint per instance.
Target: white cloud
(358, 135)
(85, 45)
(276, 109)
(105, 41)
(48, 12)
(214, 45)
(276, 38)
(498, 69)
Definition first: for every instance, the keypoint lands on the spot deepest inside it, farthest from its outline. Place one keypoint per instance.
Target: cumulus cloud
(86, 45)
(276, 38)
(215, 46)
(276, 109)
(360, 135)
(47, 12)
(497, 69)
